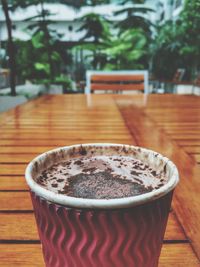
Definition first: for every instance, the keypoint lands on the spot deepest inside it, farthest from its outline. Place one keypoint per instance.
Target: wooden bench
(117, 81)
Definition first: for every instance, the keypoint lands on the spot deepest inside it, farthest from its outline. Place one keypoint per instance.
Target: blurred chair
(117, 81)
(196, 83)
(170, 86)
(4, 78)
(177, 79)
(178, 76)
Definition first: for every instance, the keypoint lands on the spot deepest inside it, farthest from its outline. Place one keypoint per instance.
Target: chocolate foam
(101, 177)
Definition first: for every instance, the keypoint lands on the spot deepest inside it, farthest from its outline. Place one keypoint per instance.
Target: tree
(48, 54)
(135, 18)
(11, 47)
(177, 44)
(189, 24)
(165, 50)
(95, 26)
(97, 32)
(43, 38)
(126, 51)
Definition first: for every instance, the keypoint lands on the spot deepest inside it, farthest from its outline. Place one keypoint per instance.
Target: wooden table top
(168, 124)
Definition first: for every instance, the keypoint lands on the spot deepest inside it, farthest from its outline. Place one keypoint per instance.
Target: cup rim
(115, 203)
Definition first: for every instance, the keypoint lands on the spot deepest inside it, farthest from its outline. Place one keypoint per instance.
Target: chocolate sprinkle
(101, 177)
(102, 185)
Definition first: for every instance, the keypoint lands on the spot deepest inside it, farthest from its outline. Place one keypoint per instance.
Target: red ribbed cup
(124, 232)
(129, 237)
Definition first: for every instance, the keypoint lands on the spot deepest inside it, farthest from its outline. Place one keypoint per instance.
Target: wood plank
(12, 169)
(64, 142)
(71, 113)
(118, 77)
(16, 158)
(60, 124)
(187, 191)
(116, 87)
(178, 255)
(178, 126)
(188, 142)
(185, 136)
(19, 226)
(64, 136)
(187, 131)
(192, 149)
(72, 120)
(172, 108)
(197, 157)
(21, 255)
(13, 183)
(155, 112)
(176, 118)
(9, 115)
(172, 124)
(72, 128)
(24, 150)
(12, 201)
(22, 226)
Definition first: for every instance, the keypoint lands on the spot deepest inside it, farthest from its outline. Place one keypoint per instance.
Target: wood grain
(12, 169)
(23, 150)
(30, 255)
(64, 142)
(21, 255)
(192, 149)
(117, 82)
(189, 213)
(114, 78)
(15, 201)
(156, 121)
(116, 87)
(17, 157)
(197, 157)
(24, 229)
(95, 135)
(10, 183)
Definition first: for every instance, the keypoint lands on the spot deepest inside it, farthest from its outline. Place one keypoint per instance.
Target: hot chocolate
(101, 177)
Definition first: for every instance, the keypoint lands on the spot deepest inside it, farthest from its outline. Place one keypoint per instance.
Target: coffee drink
(101, 177)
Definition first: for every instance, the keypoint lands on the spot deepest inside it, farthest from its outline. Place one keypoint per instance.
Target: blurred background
(47, 46)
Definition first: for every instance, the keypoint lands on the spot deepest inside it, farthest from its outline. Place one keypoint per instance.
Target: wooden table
(166, 123)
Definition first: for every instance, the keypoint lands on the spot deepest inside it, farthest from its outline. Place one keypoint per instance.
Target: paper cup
(123, 232)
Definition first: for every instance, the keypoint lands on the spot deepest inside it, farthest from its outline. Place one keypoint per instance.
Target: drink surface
(101, 177)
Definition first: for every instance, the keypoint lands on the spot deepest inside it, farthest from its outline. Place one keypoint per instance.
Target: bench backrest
(116, 80)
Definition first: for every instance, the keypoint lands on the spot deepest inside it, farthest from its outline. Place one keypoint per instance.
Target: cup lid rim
(124, 202)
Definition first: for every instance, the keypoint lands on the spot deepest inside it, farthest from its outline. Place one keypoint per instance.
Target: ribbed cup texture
(130, 237)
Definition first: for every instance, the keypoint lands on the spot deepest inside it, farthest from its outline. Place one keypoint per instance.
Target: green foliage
(177, 44)
(126, 50)
(127, 44)
(44, 49)
(24, 60)
(37, 40)
(65, 81)
(33, 60)
(42, 67)
(190, 21)
(165, 50)
(96, 27)
(135, 19)
(97, 30)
